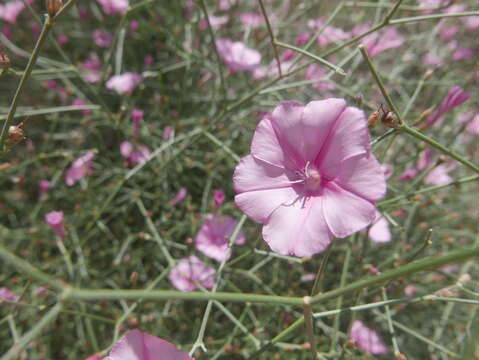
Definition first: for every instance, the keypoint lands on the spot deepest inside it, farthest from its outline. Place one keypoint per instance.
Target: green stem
(432, 17)
(271, 36)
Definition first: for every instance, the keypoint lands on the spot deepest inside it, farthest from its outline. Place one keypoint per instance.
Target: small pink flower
(111, 7)
(425, 160)
(367, 339)
(212, 239)
(330, 34)
(43, 186)
(102, 38)
(8, 295)
(148, 60)
(192, 271)
(134, 153)
(134, 25)
(251, 19)
(10, 11)
(92, 69)
(448, 32)
(462, 54)
(180, 196)
(124, 83)
(137, 345)
(79, 169)
(408, 175)
(62, 39)
(316, 72)
(136, 117)
(218, 197)
(439, 175)
(55, 220)
(455, 97)
(237, 56)
(410, 290)
(387, 170)
(81, 102)
(215, 21)
(302, 38)
(168, 132)
(473, 126)
(382, 40)
(432, 59)
(310, 176)
(379, 231)
(472, 22)
(308, 277)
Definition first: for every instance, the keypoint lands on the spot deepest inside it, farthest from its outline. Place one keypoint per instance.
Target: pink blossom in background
(92, 68)
(308, 277)
(367, 339)
(36, 30)
(112, 7)
(271, 70)
(43, 187)
(314, 72)
(430, 5)
(432, 59)
(10, 10)
(237, 56)
(408, 175)
(455, 97)
(218, 197)
(82, 102)
(191, 271)
(387, 170)
(251, 19)
(379, 41)
(463, 54)
(330, 34)
(225, 4)
(148, 61)
(134, 153)
(137, 345)
(136, 118)
(79, 169)
(7, 31)
(473, 126)
(124, 83)
(302, 38)
(215, 21)
(8, 295)
(472, 22)
(168, 132)
(447, 32)
(102, 38)
(439, 175)
(179, 197)
(310, 176)
(212, 239)
(287, 55)
(134, 25)
(379, 232)
(54, 219)
(62, 39)
(94, 357)
(425, 159)
(410, 290)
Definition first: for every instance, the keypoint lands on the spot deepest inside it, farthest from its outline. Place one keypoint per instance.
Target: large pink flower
(310, 176)
(137, 345)
(212, 239)
(238, 56)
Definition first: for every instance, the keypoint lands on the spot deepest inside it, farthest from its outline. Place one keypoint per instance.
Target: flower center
(309, 177)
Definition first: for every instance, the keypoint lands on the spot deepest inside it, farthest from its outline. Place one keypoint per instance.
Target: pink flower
(432, 59)
(472, 22)
(379, 231)
(387, 170)
(43, 187)
(10, 11)
(408, 175)
(81, 102)
(316, 72)
(102, 38)
(94, 357)
(124, 83)
(111, 7)
(179, 197)
(92, 68)
(215, 21)
(212, 239)
(308, 277)
(237, 56)
(168, 132)
(62, 39)
(439, 175)
(79, 168)
(136, 117)
(448, 32)
(382, 40)
(462, 54)
(425, 160)
(192, 271)
(55, 220)
(310, 176)
(251, 19)
(410, 290)
(302, 38)
(134, 153)
(7, 295)
(455, 97)
(330, 34)
(218, 197)
(367, 339)
(473, 126)
(134, 25)
(137, 345)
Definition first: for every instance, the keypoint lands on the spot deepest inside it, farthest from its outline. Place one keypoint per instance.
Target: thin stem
(397, 353)
(308, 322)
(274, 43)
(319, 275)
(426, 243)
(432, 17)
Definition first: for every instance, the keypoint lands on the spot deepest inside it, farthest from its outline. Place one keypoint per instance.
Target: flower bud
(16, 134)
(4, 61)
(53, 6)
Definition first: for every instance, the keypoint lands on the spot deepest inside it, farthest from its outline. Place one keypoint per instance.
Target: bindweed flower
(137, 345)
(79, 169)
(315, 72)
(455, 97)
(92, 69)
(191, 271)
(43, 187)
(218, 197)
(8, 295)
(212, 239)
(10, 11)
(55, 220)
(215, 21)
(102, 38)
(367, 339)
(237, 56)
(379, 231)
(112, 7)
(179, 197)
(473, 125)
(250, 19)
(80, 102)
(124, 83)
(439, 175)
(425, 159)
(310, 176)
(134, 153)
(379, 41)
(329, 34)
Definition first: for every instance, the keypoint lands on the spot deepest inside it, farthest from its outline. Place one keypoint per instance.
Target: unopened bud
(53, 6)
(400, 356)
(16, 134)
(425, 114)
(373, 119)
(428, 74)
(4, 61)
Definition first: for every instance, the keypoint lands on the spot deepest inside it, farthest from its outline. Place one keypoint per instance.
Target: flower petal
(258, 205)
(345, 212)
(298, 229)
(379, 231)
(363, 176)
(349, 137)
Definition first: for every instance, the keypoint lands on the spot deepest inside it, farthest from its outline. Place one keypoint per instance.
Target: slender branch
(308, 318)
(271, 36)
(432, 17)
